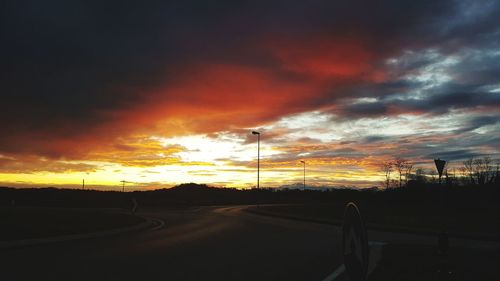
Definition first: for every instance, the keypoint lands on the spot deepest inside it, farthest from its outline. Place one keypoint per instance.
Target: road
(210, 243)
(197, 244)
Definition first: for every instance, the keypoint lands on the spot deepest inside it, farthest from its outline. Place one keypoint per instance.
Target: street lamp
(258, 155)
(304, 162)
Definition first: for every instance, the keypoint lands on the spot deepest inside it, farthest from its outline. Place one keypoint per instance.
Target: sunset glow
(173, 96)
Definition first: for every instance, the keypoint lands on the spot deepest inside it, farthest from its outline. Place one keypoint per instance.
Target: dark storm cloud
(476, 23)
(68, 67)
(468, 94)
(453, 145)
(66, 64)
(493, 142)
(373, 139)
(474, 78)
(443, 102)
(387, 88)
(366, 109)
(453, 155)
(438, 103)
(479, 122)
(471, 36)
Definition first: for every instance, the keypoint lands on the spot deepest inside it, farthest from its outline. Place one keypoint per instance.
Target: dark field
(458, 222)
(17, 223)
(416, 263)
(210, 235)
(469, 211)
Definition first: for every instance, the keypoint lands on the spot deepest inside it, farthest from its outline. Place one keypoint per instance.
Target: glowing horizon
(172, 96)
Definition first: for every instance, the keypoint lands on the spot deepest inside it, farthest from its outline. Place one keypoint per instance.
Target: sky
(159, 93)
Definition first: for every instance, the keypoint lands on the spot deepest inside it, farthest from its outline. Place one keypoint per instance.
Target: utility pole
(83, 184)
(123, 185)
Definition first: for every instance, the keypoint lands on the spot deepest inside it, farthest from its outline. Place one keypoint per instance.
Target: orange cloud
(31, 164)
(142, 152)
(208, 97)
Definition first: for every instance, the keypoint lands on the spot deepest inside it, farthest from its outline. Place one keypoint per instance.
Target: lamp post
(304, 162)
(258, 156)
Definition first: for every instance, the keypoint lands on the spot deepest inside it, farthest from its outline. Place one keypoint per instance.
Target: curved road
(222, 243)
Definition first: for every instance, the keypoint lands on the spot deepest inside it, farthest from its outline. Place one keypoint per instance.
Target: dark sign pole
(443, 242)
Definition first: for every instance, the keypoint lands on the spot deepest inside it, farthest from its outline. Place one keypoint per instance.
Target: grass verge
(18, 223)
(466, 223)
(412, 263)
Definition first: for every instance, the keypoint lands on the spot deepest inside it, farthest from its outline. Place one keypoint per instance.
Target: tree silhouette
(478, 170)
(469, 169)
(400, 166)
(387, 168)
(408, 168)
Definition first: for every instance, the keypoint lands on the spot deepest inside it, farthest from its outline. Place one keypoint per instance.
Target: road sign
(355, 244)
(440, 166)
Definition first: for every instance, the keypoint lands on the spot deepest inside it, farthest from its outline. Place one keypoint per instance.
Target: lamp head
(255, 133)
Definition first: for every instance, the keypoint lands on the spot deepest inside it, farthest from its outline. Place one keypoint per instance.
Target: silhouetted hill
(191, 186)
(416, 197)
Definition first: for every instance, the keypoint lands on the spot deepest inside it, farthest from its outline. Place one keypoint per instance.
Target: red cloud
(329, 58)
(210, 97)
(217, 97)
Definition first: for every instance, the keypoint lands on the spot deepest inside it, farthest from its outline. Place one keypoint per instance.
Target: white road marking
(375, 256)
(160, 223)
(335, 274)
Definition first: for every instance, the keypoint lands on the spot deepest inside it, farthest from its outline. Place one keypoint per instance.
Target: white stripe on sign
(335, 274)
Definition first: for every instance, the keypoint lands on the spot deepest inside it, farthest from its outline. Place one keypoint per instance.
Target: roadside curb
(56, 239)
(378, 227)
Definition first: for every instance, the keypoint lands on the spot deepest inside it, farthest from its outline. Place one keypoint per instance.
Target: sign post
(134, 206)
(355, 244)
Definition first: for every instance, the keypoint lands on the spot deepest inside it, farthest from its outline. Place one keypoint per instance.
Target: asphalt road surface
(211, 243)
(198, 244)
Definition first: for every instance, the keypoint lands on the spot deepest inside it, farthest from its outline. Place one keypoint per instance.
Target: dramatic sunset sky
(159, 93)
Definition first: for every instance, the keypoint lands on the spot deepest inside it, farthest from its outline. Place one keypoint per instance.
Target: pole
(258, 160)
(304, 162)
(304, 174)
(258, 156)
(83, 184)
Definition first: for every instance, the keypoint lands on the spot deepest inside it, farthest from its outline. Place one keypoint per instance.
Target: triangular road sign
(440, 166)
